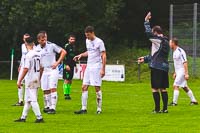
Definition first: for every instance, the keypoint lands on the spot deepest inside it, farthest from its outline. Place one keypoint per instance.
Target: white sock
(54, 99)
(47, 100)
(26, 108)
(20, 94)
(191, 96)
(84, 100)
(175, 97)
(99, 100)
(36, 109)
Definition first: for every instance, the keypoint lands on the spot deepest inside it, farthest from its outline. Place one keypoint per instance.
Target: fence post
(194, 39)
(171, 34)
(11, 66)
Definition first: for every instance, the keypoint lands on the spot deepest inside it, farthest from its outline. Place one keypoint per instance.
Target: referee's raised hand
(148, 17)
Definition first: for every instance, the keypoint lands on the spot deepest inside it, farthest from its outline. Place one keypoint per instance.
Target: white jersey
(179, 57)
(33, 63)
(48, 53)
(94, 49)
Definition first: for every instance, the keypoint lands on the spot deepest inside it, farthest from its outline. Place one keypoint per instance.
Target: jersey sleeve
(102, 46)
(27, 62)
(56, 48)
(183, 56)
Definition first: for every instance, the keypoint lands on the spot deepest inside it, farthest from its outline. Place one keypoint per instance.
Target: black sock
(165, 100)
(156, 97)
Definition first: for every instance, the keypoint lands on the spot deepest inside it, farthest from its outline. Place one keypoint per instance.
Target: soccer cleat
(99, 112)
(67, 97)
(46, 110)
(156, 112)
(81, 112)
(194, 103)
(19, 104)
(172, 104)
(20, 120)
(51, 111)
(39, 121)
(164, 111)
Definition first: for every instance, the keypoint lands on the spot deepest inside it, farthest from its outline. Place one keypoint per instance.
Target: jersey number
(37, 65)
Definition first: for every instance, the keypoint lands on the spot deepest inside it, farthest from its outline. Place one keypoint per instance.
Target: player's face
(90, 35)
(24, 37)
(42, 40)
(171, 44)
(72, 40)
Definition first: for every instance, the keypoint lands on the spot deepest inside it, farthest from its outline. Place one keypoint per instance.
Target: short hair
(29, 40)
(89, 29)
(40, 35)
(157, 29)
(72, 35)
(175, 40)
(43, 31)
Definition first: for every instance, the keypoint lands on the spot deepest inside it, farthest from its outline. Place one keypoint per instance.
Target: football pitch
(126, 109)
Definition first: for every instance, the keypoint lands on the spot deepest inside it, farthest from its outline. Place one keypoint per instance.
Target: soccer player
(68, 66)
(20, 69)
(95, 70)
(50, 76)
(32, 71)
(158, 63)
(181, 73)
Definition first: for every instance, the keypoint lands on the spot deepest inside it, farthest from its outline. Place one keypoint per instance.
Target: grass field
(126, 108)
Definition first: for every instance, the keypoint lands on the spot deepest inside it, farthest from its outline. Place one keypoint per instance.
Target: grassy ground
(126, 108)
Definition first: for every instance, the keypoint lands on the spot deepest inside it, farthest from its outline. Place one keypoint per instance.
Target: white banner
(113, 72)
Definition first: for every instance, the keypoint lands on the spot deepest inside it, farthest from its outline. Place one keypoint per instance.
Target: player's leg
(46, 92)
(20, 92)
(175, 96)
(26, 108)
(35, 105)
(190, 95)
(84, 97)
(98, 99)
(53, 82)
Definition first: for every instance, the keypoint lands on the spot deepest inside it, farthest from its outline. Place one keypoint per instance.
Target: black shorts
(159, 79)
(68, 75)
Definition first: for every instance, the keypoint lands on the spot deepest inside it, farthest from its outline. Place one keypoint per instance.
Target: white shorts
(19, 74)
(92, 77)
(49, 80)
(31, 95)
(180, 80)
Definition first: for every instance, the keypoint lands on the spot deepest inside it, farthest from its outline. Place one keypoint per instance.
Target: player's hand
(102, 73)
(148, 17)
(174, 75)
(67, 68)
(187, 76)
(78, 57)
(140, 60)
(19, 84)
(54, 66)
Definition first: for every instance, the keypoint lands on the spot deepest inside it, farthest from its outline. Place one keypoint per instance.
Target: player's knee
(84, 87)
(53, 90)
(47, 91)
(97, 88)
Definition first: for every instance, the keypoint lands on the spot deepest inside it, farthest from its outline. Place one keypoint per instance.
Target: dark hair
(73, 36)
(26, 34)
(157, 29)
(89, 29)
(43, 31)
(29, 40)
(175, 40)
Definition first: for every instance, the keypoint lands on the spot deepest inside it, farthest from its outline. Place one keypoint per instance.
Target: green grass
(126, 108)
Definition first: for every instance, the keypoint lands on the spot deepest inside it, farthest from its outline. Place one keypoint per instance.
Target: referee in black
(68, 66)
(158, 63)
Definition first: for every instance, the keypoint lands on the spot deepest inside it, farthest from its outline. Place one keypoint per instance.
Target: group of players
(39, 68)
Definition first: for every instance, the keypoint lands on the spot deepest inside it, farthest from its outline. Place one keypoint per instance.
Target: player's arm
(174, 75)
(41, 72)
(103, 57)
(185, 64)
(60, 59)
(78, 57)
(25, 70)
